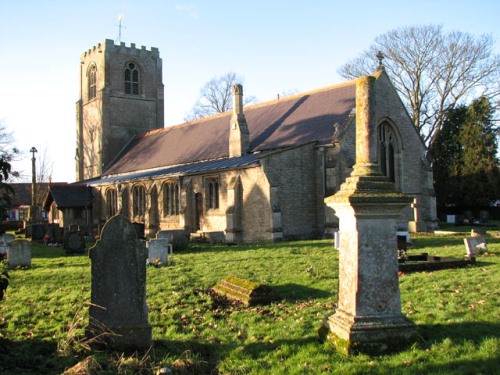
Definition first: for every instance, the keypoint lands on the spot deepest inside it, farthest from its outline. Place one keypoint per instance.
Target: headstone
(37, 232)
(416, 225)
(5, 239)
(484, 217)
(178, 238)
(158, 252)
(74, 243)
(19, 253)
(140, 229)
(450, 219)
(118, 313)
(474, 246)
(216, 237)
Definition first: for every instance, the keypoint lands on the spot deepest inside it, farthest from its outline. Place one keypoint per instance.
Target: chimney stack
(238, 133)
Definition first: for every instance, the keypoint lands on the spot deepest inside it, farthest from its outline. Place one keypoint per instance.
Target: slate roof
(68, 195)
(290, 121)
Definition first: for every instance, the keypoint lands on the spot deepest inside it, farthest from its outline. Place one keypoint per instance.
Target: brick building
(259, 173)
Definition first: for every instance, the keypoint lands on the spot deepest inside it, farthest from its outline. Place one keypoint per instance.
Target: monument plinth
(368, 317)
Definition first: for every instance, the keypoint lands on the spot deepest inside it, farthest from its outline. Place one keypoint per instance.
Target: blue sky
(275, 45)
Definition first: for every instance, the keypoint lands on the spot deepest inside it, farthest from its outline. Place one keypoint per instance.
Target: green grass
(45, 312)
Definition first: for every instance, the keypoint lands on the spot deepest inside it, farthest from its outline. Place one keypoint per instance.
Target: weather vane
(380, 57)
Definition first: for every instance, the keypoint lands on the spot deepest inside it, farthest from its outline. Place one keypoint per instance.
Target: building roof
(68, 195)
(290, 121)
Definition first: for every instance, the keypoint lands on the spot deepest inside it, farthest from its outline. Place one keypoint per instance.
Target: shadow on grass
(30, 356)
(471, 331)
(292, 292)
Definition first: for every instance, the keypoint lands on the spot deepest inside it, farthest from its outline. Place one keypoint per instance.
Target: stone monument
(19, 253)
(118, 312)
(368, 317)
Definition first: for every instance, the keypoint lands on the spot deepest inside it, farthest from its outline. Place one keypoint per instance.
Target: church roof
(290, 121)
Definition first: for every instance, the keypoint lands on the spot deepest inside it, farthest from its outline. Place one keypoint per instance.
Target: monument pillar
(368, 317)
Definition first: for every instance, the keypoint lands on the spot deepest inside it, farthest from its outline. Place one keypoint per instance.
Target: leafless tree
(433, 71)
(216, 97)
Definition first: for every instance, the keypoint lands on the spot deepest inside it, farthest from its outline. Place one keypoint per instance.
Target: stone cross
(118, 313)
(368, 317)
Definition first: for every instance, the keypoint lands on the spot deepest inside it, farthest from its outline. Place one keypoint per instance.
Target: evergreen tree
(466, 168)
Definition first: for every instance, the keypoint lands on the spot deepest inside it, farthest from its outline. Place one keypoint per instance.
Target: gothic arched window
(139, 200)
(92, 91)
(387, 151)
(170, 199)
(213, 192)
(111, 202)
(132, 79)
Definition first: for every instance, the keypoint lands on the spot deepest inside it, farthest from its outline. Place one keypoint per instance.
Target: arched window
(92, 91)
(213, 192)
(132, 79)
(387, 151)
(170, 199)
(139, 200)
(111, 202)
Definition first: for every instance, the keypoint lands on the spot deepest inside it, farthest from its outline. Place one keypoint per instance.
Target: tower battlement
(110, 45)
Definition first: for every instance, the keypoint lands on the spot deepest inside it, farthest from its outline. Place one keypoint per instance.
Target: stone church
(257, 173)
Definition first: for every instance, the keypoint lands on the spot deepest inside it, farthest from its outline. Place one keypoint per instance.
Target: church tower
(121, 95)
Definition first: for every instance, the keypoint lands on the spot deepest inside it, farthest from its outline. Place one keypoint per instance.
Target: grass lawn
(457, 312)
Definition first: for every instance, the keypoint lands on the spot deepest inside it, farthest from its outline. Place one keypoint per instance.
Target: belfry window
(92, 93)
(139, 200)
(213, 193)
(387, 152)
(170, 199)
(132, 79)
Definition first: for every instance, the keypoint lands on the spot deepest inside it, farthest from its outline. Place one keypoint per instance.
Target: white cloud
(187, 9)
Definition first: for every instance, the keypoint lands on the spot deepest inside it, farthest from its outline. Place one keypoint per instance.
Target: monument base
(121, 337)
(368, 334)
(417, 226)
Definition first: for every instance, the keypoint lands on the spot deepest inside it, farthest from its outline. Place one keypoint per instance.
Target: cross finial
(380, 57)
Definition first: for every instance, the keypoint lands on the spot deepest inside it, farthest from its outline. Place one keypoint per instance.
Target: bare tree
(433, 71)
(216, 97)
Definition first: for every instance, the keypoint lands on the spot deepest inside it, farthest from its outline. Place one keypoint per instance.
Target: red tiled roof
(272, 125)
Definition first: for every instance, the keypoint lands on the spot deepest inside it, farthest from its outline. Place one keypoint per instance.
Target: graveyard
(45, 312)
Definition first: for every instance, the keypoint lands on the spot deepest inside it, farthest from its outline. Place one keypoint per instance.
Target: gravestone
(5, 239)
(158, 251)
(118, 313)
(416, 225)
(74, 243)
(19, 253)
(178, 238)
(216, 237)
(473, 246)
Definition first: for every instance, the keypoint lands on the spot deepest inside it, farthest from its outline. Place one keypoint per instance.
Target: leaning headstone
(158, 252)
(178, 238)
(74, 243)
(118, 313)
(19, 253)
(473, 246)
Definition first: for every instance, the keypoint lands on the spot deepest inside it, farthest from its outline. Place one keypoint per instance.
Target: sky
(276, 46)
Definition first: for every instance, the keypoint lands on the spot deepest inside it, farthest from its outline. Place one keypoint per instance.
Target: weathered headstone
(19, 253)
(368, 317)
(216, 237)
(5, 239)
(473, 246)
(74, 243)
(118, 312)
(158, 251)
(178, 238)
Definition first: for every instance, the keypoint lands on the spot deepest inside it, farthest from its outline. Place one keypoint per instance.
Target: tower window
(132, 79)
(92, 83)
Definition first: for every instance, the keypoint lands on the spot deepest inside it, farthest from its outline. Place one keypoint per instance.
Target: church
(256, 173)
